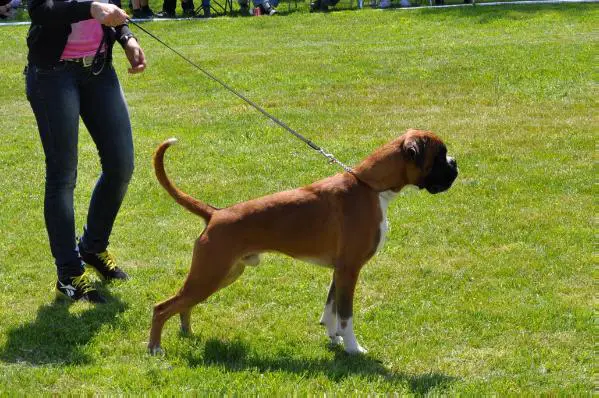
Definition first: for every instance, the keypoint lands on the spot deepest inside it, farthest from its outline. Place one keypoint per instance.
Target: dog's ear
(414, 148)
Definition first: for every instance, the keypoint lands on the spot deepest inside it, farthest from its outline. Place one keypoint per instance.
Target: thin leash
(329, 156)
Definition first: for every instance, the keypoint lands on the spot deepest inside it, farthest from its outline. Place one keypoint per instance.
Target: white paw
(358, 349)
(336, 340)
(156, 350)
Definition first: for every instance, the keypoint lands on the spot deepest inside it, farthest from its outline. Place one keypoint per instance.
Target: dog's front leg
(329, 316)
(345, 285)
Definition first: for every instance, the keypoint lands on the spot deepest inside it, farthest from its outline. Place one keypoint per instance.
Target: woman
(69, 74)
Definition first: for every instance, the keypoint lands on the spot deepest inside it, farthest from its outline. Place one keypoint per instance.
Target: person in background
(141, 9)
(267, 7)
(169, 6)
(70, 75)
(387, 3)
(8, 8)
(322, 5)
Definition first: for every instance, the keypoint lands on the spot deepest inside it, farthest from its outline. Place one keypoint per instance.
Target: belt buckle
(87, 61)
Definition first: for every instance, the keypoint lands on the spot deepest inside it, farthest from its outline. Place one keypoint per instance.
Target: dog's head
(417, 158)
(428, 165)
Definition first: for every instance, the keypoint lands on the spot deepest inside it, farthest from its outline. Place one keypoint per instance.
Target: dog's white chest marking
(385, 198)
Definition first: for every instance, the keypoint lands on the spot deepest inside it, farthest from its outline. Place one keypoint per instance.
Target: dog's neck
(384, 170)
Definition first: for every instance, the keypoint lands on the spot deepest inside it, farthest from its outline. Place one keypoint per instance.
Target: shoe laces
(107, 259)
(83, 283)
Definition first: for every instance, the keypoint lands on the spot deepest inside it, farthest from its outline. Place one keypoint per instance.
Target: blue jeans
(58, 96)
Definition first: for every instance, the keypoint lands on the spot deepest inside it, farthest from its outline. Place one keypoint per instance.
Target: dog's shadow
(59, 335)
(236, 356)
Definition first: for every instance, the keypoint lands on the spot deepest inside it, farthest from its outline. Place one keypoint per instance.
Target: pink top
(84, 39)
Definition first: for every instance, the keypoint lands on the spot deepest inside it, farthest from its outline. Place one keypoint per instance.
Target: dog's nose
(451, 162)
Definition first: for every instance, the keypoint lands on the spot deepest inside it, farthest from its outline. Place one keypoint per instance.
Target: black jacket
(51, 25)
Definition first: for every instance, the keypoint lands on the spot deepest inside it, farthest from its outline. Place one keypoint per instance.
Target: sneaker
(165, 14)
(104, 264)
(78, 288)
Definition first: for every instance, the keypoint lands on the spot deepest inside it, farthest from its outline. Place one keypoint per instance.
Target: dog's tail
(193, 205)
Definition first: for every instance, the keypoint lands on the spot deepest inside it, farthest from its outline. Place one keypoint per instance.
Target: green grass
(487, 288)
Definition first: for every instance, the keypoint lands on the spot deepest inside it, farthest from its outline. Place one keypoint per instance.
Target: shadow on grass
(58, 335)
(236, 356)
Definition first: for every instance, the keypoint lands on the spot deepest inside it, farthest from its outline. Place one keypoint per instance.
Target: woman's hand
(108, 14)
(135, 55)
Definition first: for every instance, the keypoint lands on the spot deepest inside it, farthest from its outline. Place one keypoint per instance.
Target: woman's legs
(58, 96)
(54, 98)
(105, 114)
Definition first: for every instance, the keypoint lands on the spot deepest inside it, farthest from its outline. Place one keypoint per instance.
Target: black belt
(86, 61)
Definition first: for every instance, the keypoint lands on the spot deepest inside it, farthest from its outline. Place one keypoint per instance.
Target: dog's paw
(155, 351)
(336, 340)
(357, 350)
(186, 331)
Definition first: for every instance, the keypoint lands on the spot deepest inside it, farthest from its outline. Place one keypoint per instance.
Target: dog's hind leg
(162, 312)
(232, 276)
(329, 316)
(206, 275)
(185, 317)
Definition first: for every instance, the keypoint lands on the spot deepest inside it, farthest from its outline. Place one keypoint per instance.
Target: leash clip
(328, 156)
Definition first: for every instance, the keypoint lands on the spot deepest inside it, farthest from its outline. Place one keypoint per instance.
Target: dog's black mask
(442, 174)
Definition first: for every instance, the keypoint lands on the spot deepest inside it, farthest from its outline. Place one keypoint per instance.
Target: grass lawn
(486, 288)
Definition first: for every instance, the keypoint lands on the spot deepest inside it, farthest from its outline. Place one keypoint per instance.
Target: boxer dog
(339, 222)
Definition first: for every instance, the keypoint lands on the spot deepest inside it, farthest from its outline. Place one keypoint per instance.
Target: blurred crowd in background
(140, 9)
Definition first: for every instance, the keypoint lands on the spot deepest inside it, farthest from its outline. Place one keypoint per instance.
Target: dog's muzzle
(442, 175)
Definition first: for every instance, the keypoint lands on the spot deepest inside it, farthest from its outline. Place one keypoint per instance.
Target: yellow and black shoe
(78, 288)
(104, 264)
